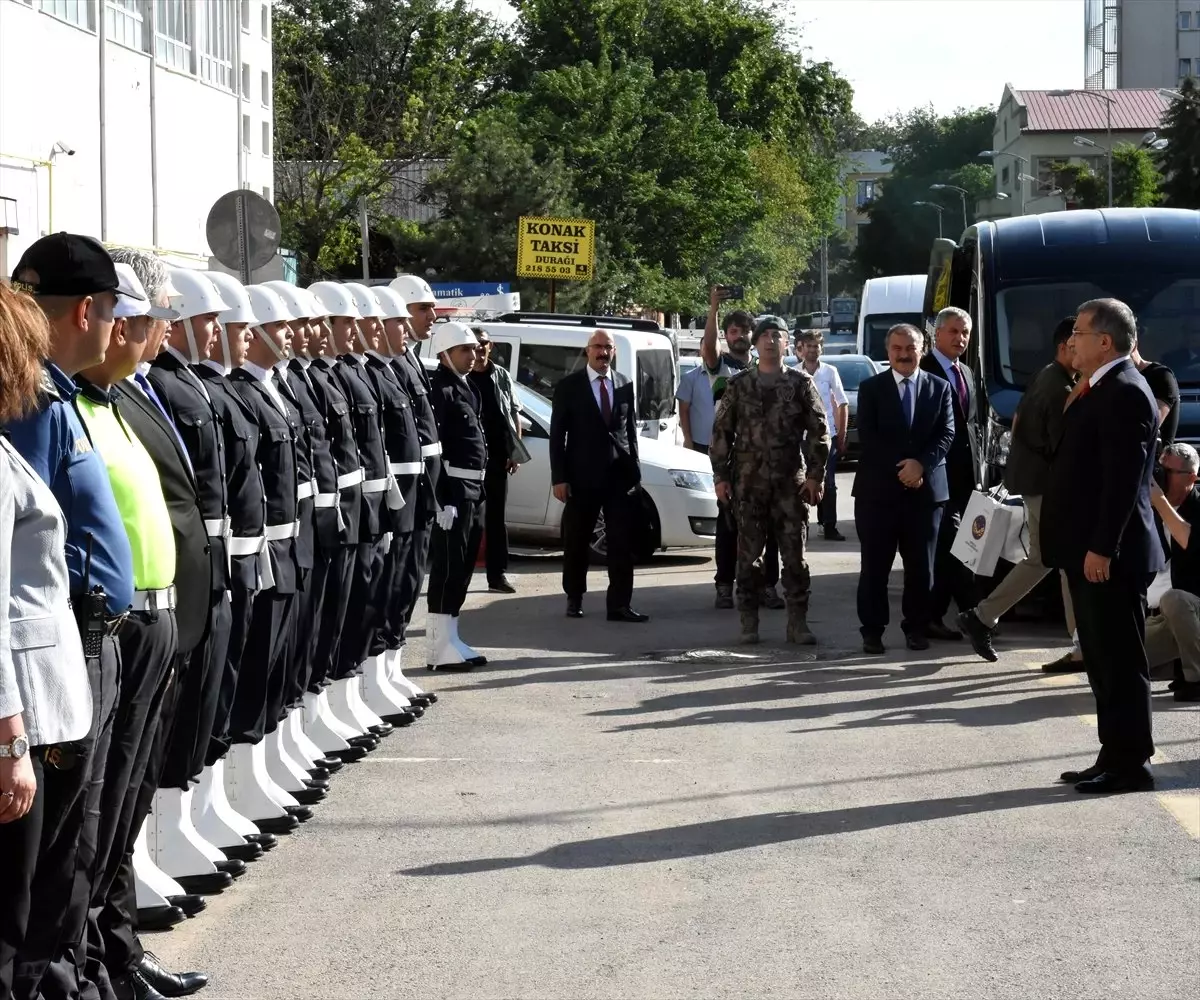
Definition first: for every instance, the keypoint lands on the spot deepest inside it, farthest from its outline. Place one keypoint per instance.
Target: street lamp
(962, 193)
(937, 208)
(1108, 104)
(993, 153)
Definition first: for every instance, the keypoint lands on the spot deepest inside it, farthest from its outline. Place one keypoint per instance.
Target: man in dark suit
(1098, 526)
(951, 579)
(594, 468)
(906, 429)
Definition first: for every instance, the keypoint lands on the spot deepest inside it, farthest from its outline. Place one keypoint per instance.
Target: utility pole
(365, 226)
(824, 274)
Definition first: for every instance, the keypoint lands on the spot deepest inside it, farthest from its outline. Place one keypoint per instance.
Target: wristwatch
(17, 749)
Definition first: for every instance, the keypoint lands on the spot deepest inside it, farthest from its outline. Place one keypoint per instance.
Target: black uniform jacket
(457, 408)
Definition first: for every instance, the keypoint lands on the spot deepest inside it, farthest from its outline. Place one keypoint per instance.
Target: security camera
(62, 147)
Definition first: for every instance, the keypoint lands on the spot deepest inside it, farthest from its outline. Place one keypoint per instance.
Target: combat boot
(749, 627)
(797, 626)
(724, 599)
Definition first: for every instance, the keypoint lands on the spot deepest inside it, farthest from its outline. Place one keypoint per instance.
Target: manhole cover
(712, 656)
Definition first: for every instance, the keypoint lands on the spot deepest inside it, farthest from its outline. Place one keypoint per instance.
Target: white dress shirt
(594, 378)
(267, 378)
(829, 385)
(1103, 370)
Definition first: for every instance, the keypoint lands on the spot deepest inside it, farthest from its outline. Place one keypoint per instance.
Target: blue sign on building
(469, 289)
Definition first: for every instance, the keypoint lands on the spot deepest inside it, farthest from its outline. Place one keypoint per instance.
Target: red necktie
(1087, 387)
(605, 404)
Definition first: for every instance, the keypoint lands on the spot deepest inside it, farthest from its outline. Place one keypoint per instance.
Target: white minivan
(886, 302)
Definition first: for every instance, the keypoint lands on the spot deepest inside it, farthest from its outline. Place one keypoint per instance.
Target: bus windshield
(875, 328)
(1167, 307)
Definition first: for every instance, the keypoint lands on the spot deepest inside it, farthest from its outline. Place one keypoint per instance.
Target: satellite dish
(243, 231)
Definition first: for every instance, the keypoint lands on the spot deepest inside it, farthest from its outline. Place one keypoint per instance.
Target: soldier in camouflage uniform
(769, 447)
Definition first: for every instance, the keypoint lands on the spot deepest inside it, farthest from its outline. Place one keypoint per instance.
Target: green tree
(1179, 162)
(1135, 180)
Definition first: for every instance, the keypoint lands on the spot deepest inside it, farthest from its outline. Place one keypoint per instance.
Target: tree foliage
(1179, 162)
(1136, 180)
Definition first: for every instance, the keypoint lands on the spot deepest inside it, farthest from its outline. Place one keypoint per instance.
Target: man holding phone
(720, 366)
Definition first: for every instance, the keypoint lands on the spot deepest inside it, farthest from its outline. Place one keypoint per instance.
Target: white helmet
(233, 292)
(414, 290)
(448, 335)
(390, 301)
(366, 303)
(268, 305)
(298, 301)
(195, 294)
(334, 299)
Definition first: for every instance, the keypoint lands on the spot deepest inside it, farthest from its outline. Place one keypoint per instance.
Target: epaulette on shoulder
(742, 374)
(46, 386)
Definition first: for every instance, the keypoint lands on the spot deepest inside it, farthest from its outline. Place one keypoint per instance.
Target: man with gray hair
(1174, 633)
(951, 579)
(1098, 526)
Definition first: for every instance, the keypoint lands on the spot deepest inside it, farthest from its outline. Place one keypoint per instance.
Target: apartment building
(127, 119)
(1140, 43)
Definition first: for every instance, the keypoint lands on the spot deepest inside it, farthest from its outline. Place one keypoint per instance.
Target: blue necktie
(143, 383)
(906, 400)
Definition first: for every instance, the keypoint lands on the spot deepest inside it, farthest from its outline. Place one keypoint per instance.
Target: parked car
(853, 368)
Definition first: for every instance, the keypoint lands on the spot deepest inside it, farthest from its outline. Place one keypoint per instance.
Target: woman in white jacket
(45, 700)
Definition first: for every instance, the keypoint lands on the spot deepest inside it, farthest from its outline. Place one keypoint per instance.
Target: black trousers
(61, 977)
(579, 522)
(310, 607)
(241, 614)
(258, 679)
(418, 559)
(365, 611)
(1111, 619)
(495, 489)
(727, 548)
(827, 508)
(452, 559)
(296, 639)
(909, 524)
(951, 579)
(190, 711)
(333, 616)
(393, 600)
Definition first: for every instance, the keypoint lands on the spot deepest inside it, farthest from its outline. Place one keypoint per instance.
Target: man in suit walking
(906, 429)
(951, 579)
(594, 468)
(1098, 526)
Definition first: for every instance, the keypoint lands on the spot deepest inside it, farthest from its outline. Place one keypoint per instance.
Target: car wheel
(646, 534)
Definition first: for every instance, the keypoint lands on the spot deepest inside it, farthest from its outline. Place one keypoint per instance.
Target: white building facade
(127, 119)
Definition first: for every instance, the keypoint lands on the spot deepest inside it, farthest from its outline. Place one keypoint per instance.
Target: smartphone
(732, 292)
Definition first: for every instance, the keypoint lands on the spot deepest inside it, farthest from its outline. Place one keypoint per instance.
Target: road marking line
(1185, 807)
(411, 760)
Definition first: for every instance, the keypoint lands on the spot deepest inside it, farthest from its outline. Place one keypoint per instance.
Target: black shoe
(501, 586)
(135, 986)
(831, 534)
(190, 904)
(1064, 665)
(405, 717)
(421, 701)
(159, 918)
(301, 813)
(321, 783)
(170, 984)
(938, 630)
(367, 741)
(873, 645)
(979, 635)
(1187, 691)
(329, 762)
(319, 773)
(1074, 777)
(308, 796)
(351, 754)
(231, 866)
(245, 851)
(574, 607)
(916, 640)
(267, 841)
(382, 730)
(627, 614)
(277, 824)
(1115, 782)
(206, 884)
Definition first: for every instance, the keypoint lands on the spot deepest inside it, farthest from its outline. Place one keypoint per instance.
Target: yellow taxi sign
(562, 249)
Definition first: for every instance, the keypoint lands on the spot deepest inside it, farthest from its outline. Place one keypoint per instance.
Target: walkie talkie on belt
(91, 610)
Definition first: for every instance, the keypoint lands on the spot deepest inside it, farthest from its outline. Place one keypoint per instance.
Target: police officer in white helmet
(458, 524)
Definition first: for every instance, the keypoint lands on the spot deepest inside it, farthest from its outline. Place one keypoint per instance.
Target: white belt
(306, 490)
(350, 479)
(429, 450)
(457, 473)
(326, 500)
(406, 468)
(375, 485)
(216, 527)
(153, 600)
(282, 532)
(240, 545)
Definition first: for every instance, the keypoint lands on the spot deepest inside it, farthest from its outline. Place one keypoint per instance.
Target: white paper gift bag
(1016, 539)
(982, 534)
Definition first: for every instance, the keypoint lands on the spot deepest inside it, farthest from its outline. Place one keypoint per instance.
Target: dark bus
(1018, 277)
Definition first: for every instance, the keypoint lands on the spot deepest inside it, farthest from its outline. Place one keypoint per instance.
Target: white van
(886, 302)
(538, 349)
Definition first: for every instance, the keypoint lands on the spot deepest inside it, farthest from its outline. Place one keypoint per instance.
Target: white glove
(445, 517)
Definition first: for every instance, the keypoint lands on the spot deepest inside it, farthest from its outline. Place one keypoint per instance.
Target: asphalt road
(641, 811)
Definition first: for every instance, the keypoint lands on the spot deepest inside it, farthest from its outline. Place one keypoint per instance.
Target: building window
(866, 193)
(266, 89)
(246, 133)
(1185, 20)
(245, 81)
(81, 13)
(216, 44)
(1004, 176)
(267, 193)
(265, 19)
(125, 22)
(245, 5)
(266, 138)
(173, 34)
(1185, 68)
